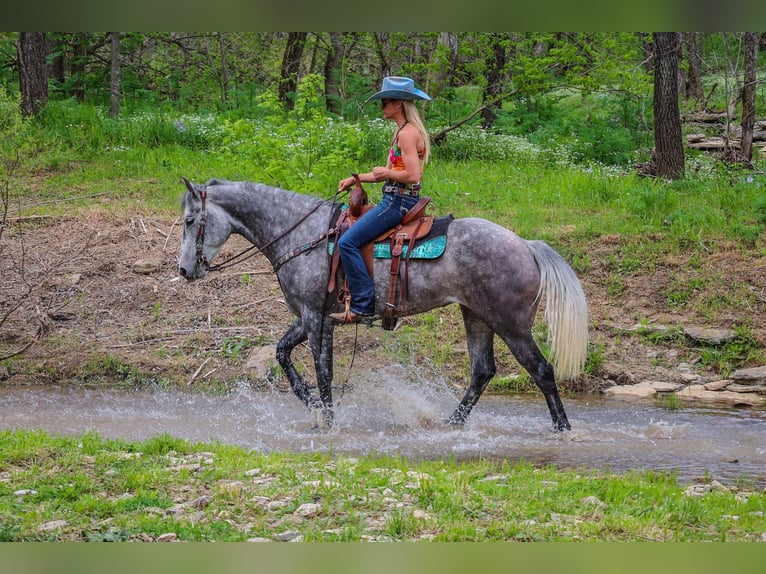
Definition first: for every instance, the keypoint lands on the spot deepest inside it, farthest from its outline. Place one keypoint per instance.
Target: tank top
(395, 154)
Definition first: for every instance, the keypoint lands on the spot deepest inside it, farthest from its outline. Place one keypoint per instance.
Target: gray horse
(495, 276)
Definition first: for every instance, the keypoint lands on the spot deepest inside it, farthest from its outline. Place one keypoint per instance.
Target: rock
(698, 392)
(52, 525)
(262, 359)
(420, 514)
(24, 492)
(697, 490)
(230, 487)
(66, 313)
(593, 501)
(737, 388)
(641, 390)
(168, 537)
(289, 536)
(258, 539)
(717, 385)
(146, 266)
(307, 510)
(710, 335)
(665, 387)
(753, 376)
(201, 502)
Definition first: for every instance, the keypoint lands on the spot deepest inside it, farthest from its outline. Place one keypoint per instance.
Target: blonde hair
(412, 116)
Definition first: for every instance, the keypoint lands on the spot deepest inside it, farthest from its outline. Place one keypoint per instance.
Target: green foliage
(743, 350)
(234, 346)
(600, 127)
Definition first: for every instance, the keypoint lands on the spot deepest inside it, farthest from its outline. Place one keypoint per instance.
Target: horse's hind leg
(295, 335)
(528, 355)
(479, 338)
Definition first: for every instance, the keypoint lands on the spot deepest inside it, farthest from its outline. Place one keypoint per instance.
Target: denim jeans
(386, 215)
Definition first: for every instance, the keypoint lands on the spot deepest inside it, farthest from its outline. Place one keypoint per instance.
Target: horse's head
(205, 229)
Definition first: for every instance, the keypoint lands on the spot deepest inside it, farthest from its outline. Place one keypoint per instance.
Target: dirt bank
(101, 298)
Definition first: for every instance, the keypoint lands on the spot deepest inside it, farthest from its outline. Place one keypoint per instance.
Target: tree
(291, 66)
(332, 67)
(33, 71)
(748, 95)
(693, 82)
(668, 140)
(114, 78)
(495, 75)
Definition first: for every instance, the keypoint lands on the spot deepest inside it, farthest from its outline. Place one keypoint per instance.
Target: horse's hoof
(324, 419)
(456, 421)
(562, 426)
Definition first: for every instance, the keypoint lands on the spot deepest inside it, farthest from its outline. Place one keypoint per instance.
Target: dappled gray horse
(495, 276)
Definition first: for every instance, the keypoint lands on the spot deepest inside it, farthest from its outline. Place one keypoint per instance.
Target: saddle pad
(430, 247)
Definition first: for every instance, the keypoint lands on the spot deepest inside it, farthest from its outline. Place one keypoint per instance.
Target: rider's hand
(345, 183)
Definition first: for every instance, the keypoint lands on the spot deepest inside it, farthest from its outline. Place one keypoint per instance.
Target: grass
(91, 488)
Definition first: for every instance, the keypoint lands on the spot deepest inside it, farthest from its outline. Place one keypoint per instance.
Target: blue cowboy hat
(399, 88)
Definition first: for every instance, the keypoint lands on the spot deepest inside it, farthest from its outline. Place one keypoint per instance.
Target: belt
(414, 191)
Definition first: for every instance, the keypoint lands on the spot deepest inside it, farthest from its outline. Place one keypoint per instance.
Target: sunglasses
(384, 103)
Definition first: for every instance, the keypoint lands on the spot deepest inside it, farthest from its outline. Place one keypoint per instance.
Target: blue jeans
(386, 215)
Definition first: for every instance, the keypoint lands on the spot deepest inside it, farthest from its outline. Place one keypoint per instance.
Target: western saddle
(415, 225)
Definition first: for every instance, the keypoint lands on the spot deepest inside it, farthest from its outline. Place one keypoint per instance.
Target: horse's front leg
(295, 335)
(320, 335)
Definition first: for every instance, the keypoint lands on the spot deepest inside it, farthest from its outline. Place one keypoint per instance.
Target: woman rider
(402, 175)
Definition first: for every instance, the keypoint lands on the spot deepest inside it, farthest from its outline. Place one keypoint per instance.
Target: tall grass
(543, 191)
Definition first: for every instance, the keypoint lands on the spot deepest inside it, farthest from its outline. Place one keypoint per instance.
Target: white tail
(566, 311)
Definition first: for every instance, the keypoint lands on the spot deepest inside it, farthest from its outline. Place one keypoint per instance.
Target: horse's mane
(253, 186)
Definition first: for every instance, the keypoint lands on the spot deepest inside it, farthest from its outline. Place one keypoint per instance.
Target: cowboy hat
(399, 88)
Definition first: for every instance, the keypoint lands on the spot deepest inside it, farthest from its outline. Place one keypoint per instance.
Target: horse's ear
(189, 185)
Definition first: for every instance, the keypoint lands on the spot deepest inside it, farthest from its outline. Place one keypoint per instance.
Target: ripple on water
(398, 412)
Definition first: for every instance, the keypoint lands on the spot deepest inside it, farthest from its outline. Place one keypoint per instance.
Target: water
(388, 414)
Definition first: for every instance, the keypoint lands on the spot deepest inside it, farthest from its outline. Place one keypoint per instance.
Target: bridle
(239, 257)
(200, 241)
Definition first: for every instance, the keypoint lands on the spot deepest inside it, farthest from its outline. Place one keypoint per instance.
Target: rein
(239, 257)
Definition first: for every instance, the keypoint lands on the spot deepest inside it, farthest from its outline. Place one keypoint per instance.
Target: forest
(632, 89)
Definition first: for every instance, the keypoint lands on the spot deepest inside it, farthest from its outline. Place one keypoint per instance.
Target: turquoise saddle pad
(427, 249)
(430, 247)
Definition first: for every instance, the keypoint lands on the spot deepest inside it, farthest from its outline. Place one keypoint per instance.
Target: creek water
(390, 414)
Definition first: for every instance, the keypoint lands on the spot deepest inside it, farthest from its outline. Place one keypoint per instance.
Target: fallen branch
(59, 200)
(197, 372)
(170, 231)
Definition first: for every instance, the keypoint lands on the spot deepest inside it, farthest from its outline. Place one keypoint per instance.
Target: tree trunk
(56, 54)
(748, 95)
(291, 65)
(693, 83)
(495, 84)
(441, 68)
(382, 50)
(114, 82)
(668, 140)
(33, 71)
(79, 65)
(332, 71)
(648, 49)
(224, 69)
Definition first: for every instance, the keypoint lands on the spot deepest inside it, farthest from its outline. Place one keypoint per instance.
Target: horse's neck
(262, 214)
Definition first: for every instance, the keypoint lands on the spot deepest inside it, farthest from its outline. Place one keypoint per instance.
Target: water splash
(398, 411)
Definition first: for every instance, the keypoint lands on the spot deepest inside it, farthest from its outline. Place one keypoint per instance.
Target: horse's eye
(189, 221)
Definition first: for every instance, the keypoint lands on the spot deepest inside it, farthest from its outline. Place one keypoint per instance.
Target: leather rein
(239, 257)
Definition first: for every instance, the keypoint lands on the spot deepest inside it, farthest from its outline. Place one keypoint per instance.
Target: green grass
(116, 490)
